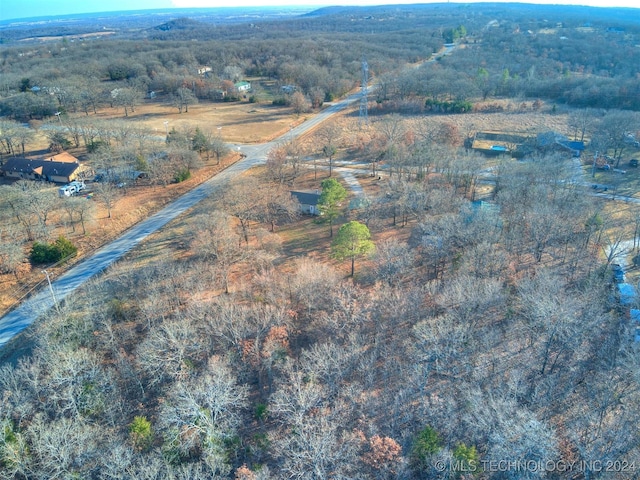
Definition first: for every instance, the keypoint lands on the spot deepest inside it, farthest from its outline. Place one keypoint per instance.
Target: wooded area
(455, 318)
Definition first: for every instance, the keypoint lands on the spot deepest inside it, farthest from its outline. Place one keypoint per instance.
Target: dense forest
(579, 57)
(471, 340)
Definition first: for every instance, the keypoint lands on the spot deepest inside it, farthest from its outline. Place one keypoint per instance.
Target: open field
(237, 122)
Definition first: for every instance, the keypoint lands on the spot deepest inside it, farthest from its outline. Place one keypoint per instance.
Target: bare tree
(108, 194)
(81, 210)
(613, 131)
(583, 122)
(11, 251)
(218, 147)
(31, 203)
(182, 99)
(394, 260)
(496, 418)
(551, 322)
(203, 412)
(14, 137)
(218, 242)
(330, 137)
(170, 351)
(276, 165)
(127, 98)
(63, 447)
(299, 103)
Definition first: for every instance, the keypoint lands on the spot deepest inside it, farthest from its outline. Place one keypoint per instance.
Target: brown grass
(239, 122)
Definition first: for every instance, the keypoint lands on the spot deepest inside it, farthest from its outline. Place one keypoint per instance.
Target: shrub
(467, 460)
(460, 106)
(53, 252)
(182, 175)
(95, 145)
(64, 248)
(261, 411)
(42, 253)
(141, 433)
(117, 309)
(426, 444)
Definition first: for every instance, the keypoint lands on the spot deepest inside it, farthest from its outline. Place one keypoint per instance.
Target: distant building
(497, 143)
(243, 86)
(308, 202)
(556, 141)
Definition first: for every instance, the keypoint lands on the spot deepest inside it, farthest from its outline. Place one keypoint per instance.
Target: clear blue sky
(31, 8)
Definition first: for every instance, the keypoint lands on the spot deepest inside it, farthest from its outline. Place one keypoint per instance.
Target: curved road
(18, 319)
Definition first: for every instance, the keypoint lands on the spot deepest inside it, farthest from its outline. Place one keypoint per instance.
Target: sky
(10, 9)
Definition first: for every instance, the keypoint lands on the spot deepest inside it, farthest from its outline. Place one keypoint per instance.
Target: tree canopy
(333, 193)
(352, 240)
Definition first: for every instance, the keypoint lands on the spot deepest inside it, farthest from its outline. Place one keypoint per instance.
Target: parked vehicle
(633, 162)
(71, 189)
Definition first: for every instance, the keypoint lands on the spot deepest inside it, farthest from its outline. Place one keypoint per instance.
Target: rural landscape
(391, 242)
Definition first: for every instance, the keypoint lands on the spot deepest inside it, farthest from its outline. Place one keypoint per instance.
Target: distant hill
(180, 24)
(149, 21)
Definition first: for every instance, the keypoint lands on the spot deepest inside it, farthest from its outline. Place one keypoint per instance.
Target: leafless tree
(330, 137)
(317, 450)
(14, 137)
(276, 165)
(62, 447)
(497, 419)
(31, 203)
(204, 411)
(127, 98)
(394, 260)
(299, 103)
(583, 122)
(218, 242)
(80, 210)
(310, 285)
(552, 322)
(108, 194)
(170, 351)
(12, 254)
(612, 134)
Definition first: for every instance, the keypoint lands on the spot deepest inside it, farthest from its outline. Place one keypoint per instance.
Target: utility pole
(53, 296)
(364, 101)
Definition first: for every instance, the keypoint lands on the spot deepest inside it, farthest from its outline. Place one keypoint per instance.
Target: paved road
(20, 318)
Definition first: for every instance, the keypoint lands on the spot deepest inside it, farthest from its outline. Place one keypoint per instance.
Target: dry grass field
(237, 122)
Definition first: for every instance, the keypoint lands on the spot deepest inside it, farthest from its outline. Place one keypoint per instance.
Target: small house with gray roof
(308, 202)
